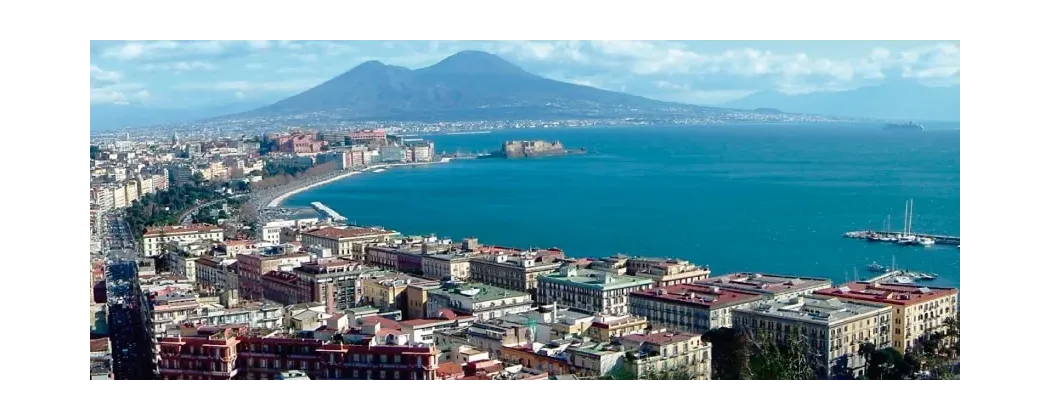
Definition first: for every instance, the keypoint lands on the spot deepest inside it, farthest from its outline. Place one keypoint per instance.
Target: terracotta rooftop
(698, 295)
(338, 233)
(892, 294)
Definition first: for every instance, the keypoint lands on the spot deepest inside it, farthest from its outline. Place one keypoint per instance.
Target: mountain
(466, 85)
(894, 101)
(115, 117)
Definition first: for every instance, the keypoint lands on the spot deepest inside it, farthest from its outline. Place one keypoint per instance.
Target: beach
(276, 201)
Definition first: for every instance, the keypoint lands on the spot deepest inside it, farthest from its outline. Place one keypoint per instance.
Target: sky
(195, 74)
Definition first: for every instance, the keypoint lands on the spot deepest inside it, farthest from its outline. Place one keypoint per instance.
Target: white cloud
(178, 66)
(109, 87)
(253, 86)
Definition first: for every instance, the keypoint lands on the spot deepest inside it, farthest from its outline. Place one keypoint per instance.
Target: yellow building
(387, 290)
(917, 310)
(667, 352)
(606, 327)
(833, 329)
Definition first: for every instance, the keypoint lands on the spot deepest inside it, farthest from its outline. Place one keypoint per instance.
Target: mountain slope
(897, 101)
(469, 84)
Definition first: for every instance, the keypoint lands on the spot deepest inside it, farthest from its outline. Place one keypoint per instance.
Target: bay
(761, 198)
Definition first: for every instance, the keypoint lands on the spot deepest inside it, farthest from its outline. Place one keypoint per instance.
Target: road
(117, 240)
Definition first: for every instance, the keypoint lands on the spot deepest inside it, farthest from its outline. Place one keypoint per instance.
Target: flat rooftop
(765, 284)
(181, 230)
(814, 309)
(698, 295)
(594, 279)
(892, 294)
(479, 292)
(660, 338)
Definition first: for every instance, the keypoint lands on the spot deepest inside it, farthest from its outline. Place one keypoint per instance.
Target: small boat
(876, 267)
(922, 276)
(904, 279)
(925, 241)
(906, 240)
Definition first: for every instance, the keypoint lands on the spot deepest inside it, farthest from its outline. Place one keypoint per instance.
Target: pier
(937, 239)
(317, 205)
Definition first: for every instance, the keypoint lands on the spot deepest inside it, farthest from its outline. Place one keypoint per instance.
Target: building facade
(917, 310)
(832, 329)
(155, 237)
(691, 308)
(590, 291)
(341, 241)
(667, 353)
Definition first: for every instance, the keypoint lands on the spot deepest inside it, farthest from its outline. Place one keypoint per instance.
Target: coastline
(276, 202)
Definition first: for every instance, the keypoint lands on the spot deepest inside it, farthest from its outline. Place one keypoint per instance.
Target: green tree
(730, 352)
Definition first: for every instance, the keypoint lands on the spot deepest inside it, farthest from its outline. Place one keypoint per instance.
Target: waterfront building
(341, 241)
(155, 237)
(666, 271)
(340, 157)
(667, 352)
(833, 329)
(690, 308)
(391, 154)
(482, 301)
(419, 150)
(590, 291)
(515, 271)
(917, 310)
(770, 286)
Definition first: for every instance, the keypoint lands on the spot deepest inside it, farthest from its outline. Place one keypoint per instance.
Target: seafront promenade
(273, 197)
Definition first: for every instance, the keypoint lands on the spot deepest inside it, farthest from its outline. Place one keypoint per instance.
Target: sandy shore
(276, 202)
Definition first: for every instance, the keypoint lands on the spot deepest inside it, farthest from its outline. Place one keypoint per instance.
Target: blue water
(768, 198)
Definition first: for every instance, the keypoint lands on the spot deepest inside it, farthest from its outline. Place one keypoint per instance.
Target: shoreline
(276, 202)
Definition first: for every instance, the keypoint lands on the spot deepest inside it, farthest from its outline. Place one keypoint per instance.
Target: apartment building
(917, 310)
(341, 241)
(251, 267)
(386, 290)
(155, 237)
(483, 301)
(667, 352)
(590, 291)
(770, 286)
(689, 308)
(833, 329)
(518, 271)
(666, 271)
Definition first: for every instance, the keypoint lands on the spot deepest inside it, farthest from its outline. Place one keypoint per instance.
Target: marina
(907, 237)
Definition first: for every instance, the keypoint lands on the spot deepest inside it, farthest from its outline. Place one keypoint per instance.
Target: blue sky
(186, 74)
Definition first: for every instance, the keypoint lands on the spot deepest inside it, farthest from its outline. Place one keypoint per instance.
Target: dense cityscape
(198, 272)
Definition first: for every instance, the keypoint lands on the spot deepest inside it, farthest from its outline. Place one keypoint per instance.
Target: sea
(738, 198)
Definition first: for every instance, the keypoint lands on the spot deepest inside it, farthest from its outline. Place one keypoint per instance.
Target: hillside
(896, 101)
(469, 84)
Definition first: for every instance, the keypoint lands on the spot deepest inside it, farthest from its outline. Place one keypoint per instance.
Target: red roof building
(689, 307)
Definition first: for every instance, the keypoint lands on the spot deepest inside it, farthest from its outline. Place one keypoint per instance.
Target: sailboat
(907, 238)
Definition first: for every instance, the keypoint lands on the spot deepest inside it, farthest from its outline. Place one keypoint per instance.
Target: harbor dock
(937, 239)
(317, 205)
